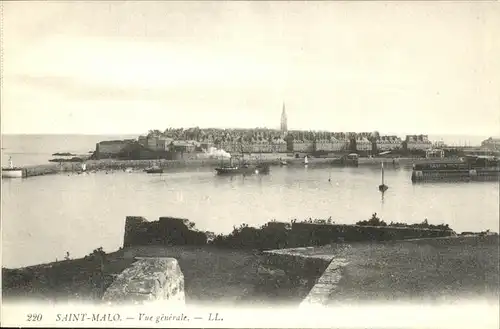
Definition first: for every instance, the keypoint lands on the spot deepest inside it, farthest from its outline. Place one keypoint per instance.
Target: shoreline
(114, 164)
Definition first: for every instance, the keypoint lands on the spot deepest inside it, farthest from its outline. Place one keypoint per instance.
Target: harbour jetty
(475, 168)
(53, 168)
(196, 163)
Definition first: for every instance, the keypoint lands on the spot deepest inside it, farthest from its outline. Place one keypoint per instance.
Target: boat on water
(154, 170)
(382, 187)
(470, 168)
(11, 171)
(242, 169)
(350, 160)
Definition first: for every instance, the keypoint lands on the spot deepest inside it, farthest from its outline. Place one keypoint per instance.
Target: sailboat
(11, 171)
(382, 187)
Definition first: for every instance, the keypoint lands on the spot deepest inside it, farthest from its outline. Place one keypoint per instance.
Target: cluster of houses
(283, 145)
(364, 142)
(264, 140)
(332, 144)
(162, 143)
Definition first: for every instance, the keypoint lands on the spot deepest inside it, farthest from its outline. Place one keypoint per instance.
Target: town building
(331, 145)
(388, 143)
(363, 144)
(279, 147)
(439, 144)
(206, 145)
(183, 146)
(491, 143)
(111, 149)
(302, 146)
(434, 153)
(143, 140)
(230, 146)
(418, 142)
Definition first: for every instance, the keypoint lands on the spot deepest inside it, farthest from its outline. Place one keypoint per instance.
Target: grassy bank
(426, 269)
(211, 275)
(420, 270)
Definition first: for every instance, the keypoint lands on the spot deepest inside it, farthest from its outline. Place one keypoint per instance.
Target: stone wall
(293, 268)
(320, 234)
(46, 169)
(112, 147)
(276, 235)
(135, 226)
(273, 235)
(116, 164)
(326, 284)
(165, 231)
(158, 280)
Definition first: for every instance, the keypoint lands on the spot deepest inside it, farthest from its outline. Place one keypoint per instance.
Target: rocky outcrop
(158, 280)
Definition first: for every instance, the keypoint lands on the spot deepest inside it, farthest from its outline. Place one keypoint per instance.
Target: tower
(283, 125)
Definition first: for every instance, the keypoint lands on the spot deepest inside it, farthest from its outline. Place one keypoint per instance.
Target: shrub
(373, 221)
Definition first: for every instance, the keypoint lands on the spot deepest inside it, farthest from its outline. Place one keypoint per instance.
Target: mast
(382, 187)
(242, 161)
(383, 173)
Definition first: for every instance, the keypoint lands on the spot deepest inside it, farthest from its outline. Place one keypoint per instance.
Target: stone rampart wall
(165, 231)
(273, 235)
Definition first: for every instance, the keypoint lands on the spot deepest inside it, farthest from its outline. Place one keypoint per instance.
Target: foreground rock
(148, 280)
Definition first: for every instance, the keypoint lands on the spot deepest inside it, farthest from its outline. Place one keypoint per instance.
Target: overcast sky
(124, 67)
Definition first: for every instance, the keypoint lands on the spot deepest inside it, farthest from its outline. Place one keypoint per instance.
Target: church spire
(283, 125)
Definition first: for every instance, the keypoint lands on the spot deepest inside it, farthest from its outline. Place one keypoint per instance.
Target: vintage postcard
(250, 164)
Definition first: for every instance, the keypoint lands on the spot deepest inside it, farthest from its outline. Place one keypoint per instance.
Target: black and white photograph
(250, 164)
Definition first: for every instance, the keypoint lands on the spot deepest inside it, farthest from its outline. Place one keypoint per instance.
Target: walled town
(177, 142)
